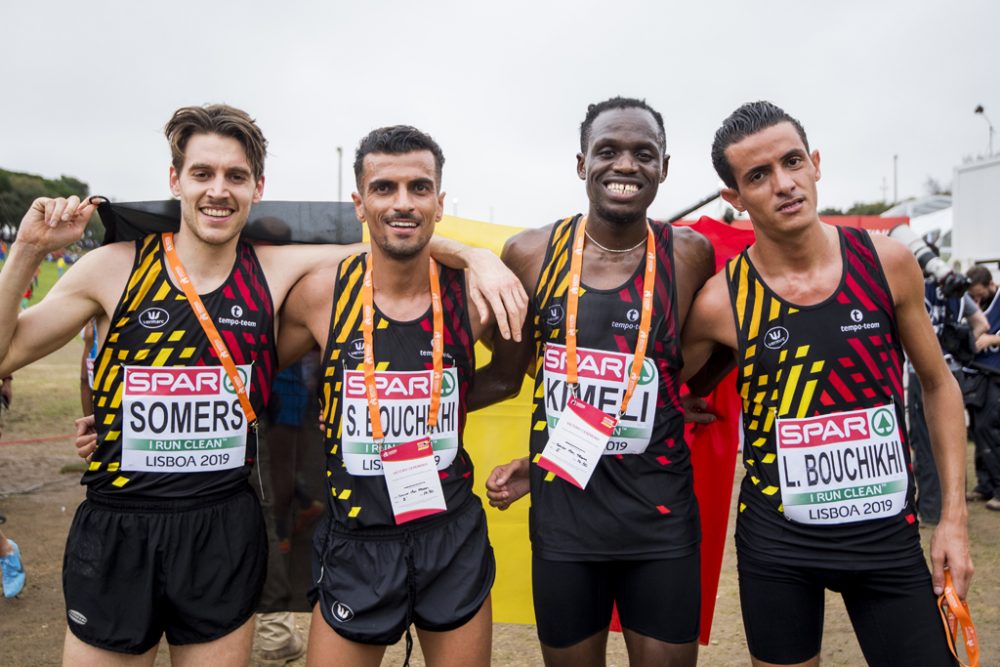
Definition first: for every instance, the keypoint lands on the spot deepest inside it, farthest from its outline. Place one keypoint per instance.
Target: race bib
(602, 379)
(182, 419)
(577, 443)
(842, 467)
(412, 479)
(404, 404)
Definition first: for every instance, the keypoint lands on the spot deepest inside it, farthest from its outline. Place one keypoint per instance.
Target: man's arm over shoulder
(709, 334)
(285, 265)
(305, 317)
(502, 377)
(942, 406)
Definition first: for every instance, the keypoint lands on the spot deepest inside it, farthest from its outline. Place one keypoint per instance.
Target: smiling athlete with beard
(614, 519)
(170, 539)
(404, 540)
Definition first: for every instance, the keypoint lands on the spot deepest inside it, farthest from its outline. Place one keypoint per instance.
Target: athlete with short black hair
(404, 540)
(628, 534)
(171, 538)
(819, 318)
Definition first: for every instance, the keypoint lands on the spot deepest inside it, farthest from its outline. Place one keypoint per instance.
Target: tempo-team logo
(554, 315)
(154, 318)
(341, 611)
(775, 338)
(632, 315)
(237, 311)
(857, 315)
(356, 348)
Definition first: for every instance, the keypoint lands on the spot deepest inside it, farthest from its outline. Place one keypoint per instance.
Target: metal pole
(695, 206)
(895, 179)
(340, 173)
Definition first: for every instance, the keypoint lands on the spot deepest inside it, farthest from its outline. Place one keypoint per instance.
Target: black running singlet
(177, 419)
(403, 362)
(640, 501)
(829, 377)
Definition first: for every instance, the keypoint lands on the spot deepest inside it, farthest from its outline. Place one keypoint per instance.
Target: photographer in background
(957, 321)
(982, 390)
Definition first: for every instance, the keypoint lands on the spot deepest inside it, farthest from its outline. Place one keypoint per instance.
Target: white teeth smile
(399, 223)
(623, 188)
(216, 212)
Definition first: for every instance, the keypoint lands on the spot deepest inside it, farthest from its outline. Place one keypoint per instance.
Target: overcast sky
(502, 86)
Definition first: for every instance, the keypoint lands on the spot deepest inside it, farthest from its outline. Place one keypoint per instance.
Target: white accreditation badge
(412, 478)
(577, 442)
(842, 467)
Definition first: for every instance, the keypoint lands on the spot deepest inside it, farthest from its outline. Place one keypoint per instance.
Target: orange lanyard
(205, 320)
(572, 304)
(955, 614)
(437, 348)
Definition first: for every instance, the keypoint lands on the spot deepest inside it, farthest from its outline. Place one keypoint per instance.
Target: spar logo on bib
(227, 384)
(602, 376)
(182, 419)
(884, 423)
(447, 385)
(404, 412)
(842, 467)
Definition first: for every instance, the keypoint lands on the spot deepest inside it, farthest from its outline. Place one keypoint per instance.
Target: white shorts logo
(77, 617)
(341, 612)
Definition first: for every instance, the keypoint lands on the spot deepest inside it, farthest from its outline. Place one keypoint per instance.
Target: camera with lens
(955, 337)
(952, 283)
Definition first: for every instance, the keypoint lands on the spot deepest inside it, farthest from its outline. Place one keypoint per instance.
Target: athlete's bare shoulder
(524, 253)
(899, 266)
(694, 247)
(695, 260)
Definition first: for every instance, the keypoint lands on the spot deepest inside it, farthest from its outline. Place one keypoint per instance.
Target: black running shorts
(893, 611)
(656, 598)
(436, 573)
(191, 568)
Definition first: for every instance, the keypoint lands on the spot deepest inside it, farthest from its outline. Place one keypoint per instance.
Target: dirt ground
(39, 492)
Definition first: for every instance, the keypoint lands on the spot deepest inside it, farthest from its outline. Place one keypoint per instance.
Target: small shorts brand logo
(775, 338)
(341, 611)
(154, 318)
(77, 617)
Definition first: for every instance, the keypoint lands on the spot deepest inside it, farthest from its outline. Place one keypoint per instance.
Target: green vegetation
(18, 190)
